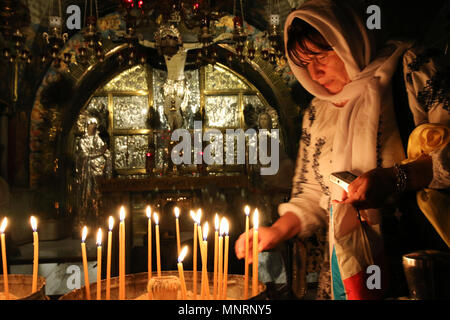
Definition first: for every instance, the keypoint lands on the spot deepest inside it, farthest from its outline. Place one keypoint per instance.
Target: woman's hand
(268, 238)
(284, 228)
(371, 189)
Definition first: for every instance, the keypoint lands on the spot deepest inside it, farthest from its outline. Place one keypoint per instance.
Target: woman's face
(326, 68)
(265, 121)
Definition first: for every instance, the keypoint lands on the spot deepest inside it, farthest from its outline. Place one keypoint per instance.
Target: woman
(349, 126)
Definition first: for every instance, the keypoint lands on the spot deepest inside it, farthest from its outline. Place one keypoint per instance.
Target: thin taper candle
(33, 222)
(99, 264)
(247, 226)
(158, 252)
(225, 264)
(255, 253)
(194, 258)
(122, 286)
(85, 267)
(181, 272)
(177, 226)
(148, 213)
(205, 281)
(216, 254)
(219, 288)
(108, 259)
(5, 265)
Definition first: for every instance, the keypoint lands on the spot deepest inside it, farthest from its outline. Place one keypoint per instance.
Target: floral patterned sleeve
(428, 88)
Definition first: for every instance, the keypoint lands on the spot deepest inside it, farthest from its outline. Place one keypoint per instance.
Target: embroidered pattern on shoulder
(378, 147)
(422, 58)
(437, 90)
(319, 178)
(306, 139)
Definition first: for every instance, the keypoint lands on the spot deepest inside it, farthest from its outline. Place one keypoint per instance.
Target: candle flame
(4, 224)
(148, 212)
(247, 210)
(256, 219)
(33, 222)
(216, 222)
(192, 213)
(182, 254)
(122, 213)
(99, 237)
(155, 216)
(205, 231)
(177, 212)
(84, 234)
(223, 222)
(111, 223)
(199, 216)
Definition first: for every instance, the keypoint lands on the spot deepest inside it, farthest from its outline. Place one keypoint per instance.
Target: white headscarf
(368, 95)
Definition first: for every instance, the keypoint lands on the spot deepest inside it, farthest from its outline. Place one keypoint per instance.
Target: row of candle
(220, 257)
(3, 226)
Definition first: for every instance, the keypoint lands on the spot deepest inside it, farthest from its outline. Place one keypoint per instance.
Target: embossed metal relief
(222, 111)
(130, 112)
(130, 80)
(217, 78)
(130, 151)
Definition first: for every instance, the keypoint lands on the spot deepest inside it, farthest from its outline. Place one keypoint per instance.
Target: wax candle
(181, 272)
(199, 233)
(158, 252)
(99, 264)
(33, 222)
(222, 231)
(122, 294)
(5, 265)
(247, 226)
(177, 226)
(108, 258)
(85, 266)
(225, 264)
(204, 247)
(216, 254)
(255, 253)
(194, 258)
(148, 213)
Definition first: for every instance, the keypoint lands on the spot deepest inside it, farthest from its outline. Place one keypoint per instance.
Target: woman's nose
(315, 70)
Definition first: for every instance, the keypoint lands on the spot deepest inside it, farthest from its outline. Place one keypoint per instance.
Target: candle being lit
(5, 265)
(99, 264)
(122, 294)
(204, 248)
(200, 233)
(216, 254)
(158, 252)
(194, 258)
(181, 272)
(148, 213)
(222, 231)
(177, 225)
(33, 223)
(247, 226)
(226, 229)
(108, 258)
(255, 253)
(85, 267)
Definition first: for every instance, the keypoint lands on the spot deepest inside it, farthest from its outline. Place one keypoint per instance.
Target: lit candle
(225, 264)
(33, 222)
(108, 259)
(158, 252)
(177, 214)
(199, 233)
(194, 258)
(222, 225)
(5, 266)
(85, 267)
(99, 264)
(148, 213)
(216, 254)
(255, 253)
(122, 294)
(204, 247)
(181, 272)
(247, 226)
